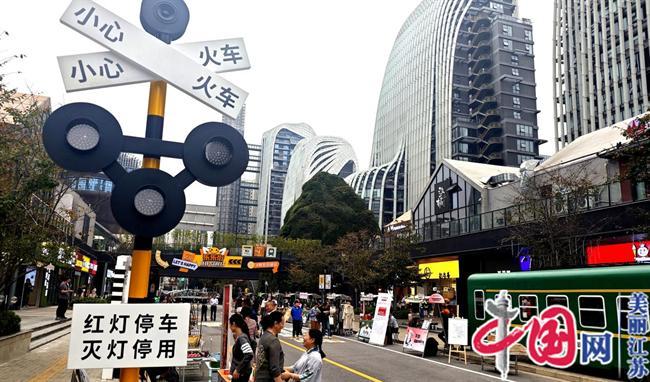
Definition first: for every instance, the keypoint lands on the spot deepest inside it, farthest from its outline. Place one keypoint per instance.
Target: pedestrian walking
(64, 297)
(270, 357)
(313, 317)
(309, 365)
(214, 301)
(204, 311)
(296, 319)
(247, 313)
(324, 318)
(242, 351)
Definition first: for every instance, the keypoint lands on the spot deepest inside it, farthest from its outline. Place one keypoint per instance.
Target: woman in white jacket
(308, 367)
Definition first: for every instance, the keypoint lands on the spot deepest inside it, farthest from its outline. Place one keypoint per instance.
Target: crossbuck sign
(136, 56)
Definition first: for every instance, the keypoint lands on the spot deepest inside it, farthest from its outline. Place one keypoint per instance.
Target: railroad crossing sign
(137, 56)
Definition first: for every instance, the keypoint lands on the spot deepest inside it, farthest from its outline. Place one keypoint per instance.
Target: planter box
(14, 345)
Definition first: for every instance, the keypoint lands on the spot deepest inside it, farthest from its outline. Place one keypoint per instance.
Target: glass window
(479, 308)
(622, 309)
(516, 101)
(507, 30)
(523, 130)
(557, 300)
(527, 306)
(515, 71)
(515, 88)
(516, 114)
(514, 59)
(529, 49)
(591, 311)
(507, 44)
(524, 145)
(528, 35)
(522, 158)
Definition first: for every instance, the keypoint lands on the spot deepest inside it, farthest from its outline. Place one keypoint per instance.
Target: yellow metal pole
(141, 256)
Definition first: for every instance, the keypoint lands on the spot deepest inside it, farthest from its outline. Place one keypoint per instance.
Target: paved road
(351, 360)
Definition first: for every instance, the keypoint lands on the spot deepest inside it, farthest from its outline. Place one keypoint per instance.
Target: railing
(604, 196)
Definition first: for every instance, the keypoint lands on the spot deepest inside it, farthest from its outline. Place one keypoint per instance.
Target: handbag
(331, 321)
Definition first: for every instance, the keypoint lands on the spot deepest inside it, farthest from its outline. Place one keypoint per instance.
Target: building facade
(278, 145)
(227, 201)
(313, 155)
(601, 65)
(459, 84)
(382, 188)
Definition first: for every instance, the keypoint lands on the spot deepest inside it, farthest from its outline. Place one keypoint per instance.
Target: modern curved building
(313, 155)
(459, 84)
(382, 188)
(278, 145)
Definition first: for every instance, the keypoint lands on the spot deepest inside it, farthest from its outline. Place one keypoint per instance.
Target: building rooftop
(479, 173)
(588, 145)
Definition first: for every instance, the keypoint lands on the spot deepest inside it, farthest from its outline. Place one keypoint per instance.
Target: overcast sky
(319, 62)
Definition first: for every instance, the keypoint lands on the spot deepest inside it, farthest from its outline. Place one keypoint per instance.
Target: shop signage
(160, 261)
(619, 250)
(82, 263)
(416, 339)
(259, 250)
(380, 319)
(232, 262)
(552, 338)
(213, 257)
(274, 265)
(439, 270)
(321, 282)
(184, 265)
(128, 335)
(247, 250)
(271, 252)
(328, 282)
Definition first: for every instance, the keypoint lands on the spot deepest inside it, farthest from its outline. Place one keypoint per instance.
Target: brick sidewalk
(33, 317)
(45, 364)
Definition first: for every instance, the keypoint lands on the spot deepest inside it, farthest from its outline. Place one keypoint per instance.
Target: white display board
(104, 69)
(457, 331)
(380, 319)
(128, 335)
(161, 60)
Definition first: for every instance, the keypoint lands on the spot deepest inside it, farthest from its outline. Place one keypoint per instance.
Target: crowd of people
(257, 351)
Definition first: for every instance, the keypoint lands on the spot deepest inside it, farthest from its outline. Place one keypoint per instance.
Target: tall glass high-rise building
(460, 84)
(601, 65)
(278, 145)
(227, 202)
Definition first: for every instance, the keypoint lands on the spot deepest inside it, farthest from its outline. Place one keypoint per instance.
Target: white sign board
(247, 250)
(380, 319)
(128, 335)
(328, 282)
(104, 69)
(185, 264)
(160, 59)
(457, 331)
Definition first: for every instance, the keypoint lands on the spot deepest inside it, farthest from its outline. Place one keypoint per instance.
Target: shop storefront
(439, 274)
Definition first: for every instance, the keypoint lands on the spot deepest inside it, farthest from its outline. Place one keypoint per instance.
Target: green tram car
(598, 297)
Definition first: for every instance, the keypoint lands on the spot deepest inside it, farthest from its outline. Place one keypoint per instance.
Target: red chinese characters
(551, 338)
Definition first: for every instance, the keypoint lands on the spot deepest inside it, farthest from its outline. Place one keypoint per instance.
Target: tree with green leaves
(394, 266)
(32, 231)
(326, 210)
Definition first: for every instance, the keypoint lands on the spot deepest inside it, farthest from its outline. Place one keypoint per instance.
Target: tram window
(622, 308)
(479, 307)
(592, 312)
(527, 306)
(557, 300)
